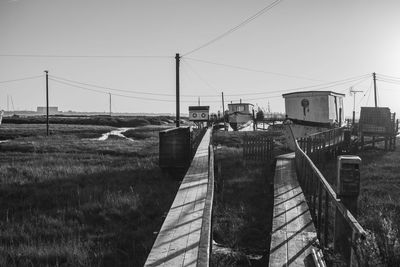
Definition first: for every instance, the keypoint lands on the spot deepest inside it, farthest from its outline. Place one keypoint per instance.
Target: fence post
(346, 141)
(348, 189)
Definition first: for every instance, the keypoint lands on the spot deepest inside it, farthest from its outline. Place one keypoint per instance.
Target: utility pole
(223, 110)
(12, 103)
(8, 103)
(198, 100)
(177, 61)
(354, 102)
(47, 102)
(374, 76)
(110, 103)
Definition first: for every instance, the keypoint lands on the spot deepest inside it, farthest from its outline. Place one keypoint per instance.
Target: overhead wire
(109, 88)
(22, 79)
(123, 90)
(318, 86)
(387, 76)
(253, 70)
(235, 28)
(200, 77)
(82, 56)
(370, 87)
(114, 94)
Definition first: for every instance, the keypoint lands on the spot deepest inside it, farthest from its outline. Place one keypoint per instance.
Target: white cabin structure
(311, 112)
(315, 108)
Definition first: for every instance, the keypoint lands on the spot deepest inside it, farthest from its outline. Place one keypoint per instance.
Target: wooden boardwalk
(293, 232)
(184, 238)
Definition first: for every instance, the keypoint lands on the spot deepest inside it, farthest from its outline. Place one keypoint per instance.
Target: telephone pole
(374, 76)
(177, 61)
(47, 102)
(110, 103)
(198, 101)
(354, 102)
(223, 110)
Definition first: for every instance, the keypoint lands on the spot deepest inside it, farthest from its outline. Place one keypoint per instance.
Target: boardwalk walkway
(293, 232)
(184, 238)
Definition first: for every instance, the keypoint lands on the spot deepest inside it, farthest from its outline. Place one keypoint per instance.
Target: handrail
(205, 243)
(322, 198)
(343, 210)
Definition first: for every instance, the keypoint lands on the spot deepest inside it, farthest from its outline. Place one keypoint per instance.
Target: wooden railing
(329, 143)
(331, 218)
(257, 147)
(186, 234)
(205, 243)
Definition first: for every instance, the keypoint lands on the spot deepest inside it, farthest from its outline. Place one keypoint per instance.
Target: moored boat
(310, 112)
(239, 114)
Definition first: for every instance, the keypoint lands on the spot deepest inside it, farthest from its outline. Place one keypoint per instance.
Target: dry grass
(378, 206)
(243, 208)
(71, 201)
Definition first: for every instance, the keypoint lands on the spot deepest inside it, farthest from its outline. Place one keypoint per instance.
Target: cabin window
(240, 108)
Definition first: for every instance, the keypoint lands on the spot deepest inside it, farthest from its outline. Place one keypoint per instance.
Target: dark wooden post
(346, 141)
(47, 102)
(177, 62)
(348, 189)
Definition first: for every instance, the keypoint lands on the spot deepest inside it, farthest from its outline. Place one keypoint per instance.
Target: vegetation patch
(243, 206)
(378, 205)
(73, 201)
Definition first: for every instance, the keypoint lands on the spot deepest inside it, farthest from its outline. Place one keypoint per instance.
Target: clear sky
(293, 45)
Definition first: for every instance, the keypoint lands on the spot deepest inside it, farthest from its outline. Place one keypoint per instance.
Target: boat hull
(237, 120)
(294, 131)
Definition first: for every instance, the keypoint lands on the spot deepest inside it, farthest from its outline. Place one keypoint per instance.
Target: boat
(310, 112)
(239, 115)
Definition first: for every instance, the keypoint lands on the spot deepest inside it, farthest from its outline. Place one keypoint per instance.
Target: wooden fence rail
(259, 148)
(330, 216)
(186, 234)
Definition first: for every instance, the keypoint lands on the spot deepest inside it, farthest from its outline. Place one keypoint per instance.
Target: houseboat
(310, 112)
(239, 114)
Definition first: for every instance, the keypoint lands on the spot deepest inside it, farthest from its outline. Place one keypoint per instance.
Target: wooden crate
(376, 120)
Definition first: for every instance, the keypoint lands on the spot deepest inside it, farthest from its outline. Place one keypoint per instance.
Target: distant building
(42, 110)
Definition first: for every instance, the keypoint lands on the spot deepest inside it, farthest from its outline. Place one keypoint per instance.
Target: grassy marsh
(69, 200)
(378, 204)
(243, 205)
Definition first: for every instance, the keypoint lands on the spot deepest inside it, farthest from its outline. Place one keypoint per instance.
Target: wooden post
(47, 102)
(346, 141)
(177, 61)
(348, 189)
(374, 77)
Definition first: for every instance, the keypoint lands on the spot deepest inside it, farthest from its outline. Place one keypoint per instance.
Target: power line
(243, 23)
(82, 56)
(253, 70)
(109, 88)
(388, 81)
(199, 76)
(120, 95)
(122, 90)
(318, 86)
(388, 76)
(369, 89)
(22, 79)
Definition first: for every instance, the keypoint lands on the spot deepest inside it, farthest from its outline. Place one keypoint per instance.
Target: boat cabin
(240, 107)
(315, 108)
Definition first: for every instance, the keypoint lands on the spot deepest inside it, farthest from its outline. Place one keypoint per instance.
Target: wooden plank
(293, 232)
(178, 241)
